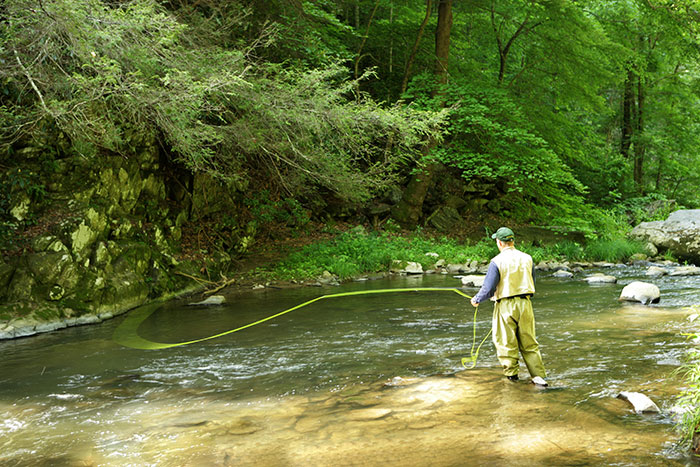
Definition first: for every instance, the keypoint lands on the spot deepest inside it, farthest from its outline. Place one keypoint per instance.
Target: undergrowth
(356, 252)
(689, 399)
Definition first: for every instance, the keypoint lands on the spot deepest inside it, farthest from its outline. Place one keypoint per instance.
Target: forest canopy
(558, 111)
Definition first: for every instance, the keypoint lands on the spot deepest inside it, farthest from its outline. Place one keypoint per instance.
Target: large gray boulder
(680, 234)
(640, 292)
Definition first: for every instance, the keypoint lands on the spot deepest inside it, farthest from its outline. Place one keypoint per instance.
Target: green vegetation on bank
(689, 400)
(357, 252)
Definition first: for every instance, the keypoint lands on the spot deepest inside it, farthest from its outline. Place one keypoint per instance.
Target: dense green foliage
(111, 77)
(565, 110)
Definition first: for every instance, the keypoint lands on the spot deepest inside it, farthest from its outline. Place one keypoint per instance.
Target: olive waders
(513, 330)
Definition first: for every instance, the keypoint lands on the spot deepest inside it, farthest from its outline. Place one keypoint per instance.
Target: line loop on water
(127, 332)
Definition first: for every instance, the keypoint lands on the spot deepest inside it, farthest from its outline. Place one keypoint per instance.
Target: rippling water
(361, 380)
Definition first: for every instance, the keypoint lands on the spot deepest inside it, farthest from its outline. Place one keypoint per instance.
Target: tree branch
(31, 81)
(364, 39)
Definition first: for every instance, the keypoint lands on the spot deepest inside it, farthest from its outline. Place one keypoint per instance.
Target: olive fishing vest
(515, 268)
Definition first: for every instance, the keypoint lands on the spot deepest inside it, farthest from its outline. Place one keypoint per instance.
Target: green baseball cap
(504, 234)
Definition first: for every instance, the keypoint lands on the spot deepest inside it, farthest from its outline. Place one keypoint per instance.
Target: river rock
(413, 268)
(209, 301)
(655, 271)
(639, 401)
(643, 292)
(453, 268)
(599, 278)
(327, 279)
(685, 271)
(562, 273)
(473, 280)
(552, 266)
(679, 233)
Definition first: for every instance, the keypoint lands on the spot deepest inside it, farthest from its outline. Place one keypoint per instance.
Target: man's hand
(474, 304)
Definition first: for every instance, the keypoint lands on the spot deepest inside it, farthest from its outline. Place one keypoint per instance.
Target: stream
(361, 380)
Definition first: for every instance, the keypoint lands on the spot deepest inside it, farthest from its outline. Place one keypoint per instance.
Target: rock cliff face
(680, 234)
(105, 238)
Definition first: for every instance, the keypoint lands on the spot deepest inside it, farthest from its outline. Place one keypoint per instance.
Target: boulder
(413, 268)
(599, 278)
(640, 292)
(679, 233)
(639, 401)
(655, 271)
(562, 273)
(685, 271)
(473, 281)
(445, 218)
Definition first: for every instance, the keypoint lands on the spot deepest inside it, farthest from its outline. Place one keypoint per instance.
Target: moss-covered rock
(112, 243)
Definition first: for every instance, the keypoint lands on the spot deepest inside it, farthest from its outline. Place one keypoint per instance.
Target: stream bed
(361, 380)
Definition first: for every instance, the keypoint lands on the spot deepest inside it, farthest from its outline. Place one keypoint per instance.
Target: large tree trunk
(639, 147)
(409, 210)
(627, 126)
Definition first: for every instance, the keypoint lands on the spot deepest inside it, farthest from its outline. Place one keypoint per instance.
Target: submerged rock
(641, 292)
(369, 414)
(209, 301)
(685, 271)
(640, 402)
(563, 274)
(599, 278)
(655, 271)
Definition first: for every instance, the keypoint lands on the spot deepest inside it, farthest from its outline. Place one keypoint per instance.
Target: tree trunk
(442, 40)
(409, 210)
(627, 127)
(414, 51)
(639, 147)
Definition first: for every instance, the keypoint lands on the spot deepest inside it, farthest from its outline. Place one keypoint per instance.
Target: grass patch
(613, 251)
(356, 252)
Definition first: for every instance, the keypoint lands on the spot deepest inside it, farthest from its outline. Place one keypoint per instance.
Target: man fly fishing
(510, 280)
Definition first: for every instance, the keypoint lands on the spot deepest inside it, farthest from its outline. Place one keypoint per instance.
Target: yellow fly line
(127, 332)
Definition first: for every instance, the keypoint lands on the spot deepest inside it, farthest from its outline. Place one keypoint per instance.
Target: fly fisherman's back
(510, 282)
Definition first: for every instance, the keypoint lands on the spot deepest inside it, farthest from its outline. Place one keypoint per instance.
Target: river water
(362, 380)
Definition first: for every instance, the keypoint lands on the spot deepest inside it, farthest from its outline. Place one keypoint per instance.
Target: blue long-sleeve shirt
(493, 277)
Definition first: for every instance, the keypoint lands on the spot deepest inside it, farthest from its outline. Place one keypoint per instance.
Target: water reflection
(360, 381)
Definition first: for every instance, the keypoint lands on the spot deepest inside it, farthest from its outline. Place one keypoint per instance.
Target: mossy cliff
(84, 241)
